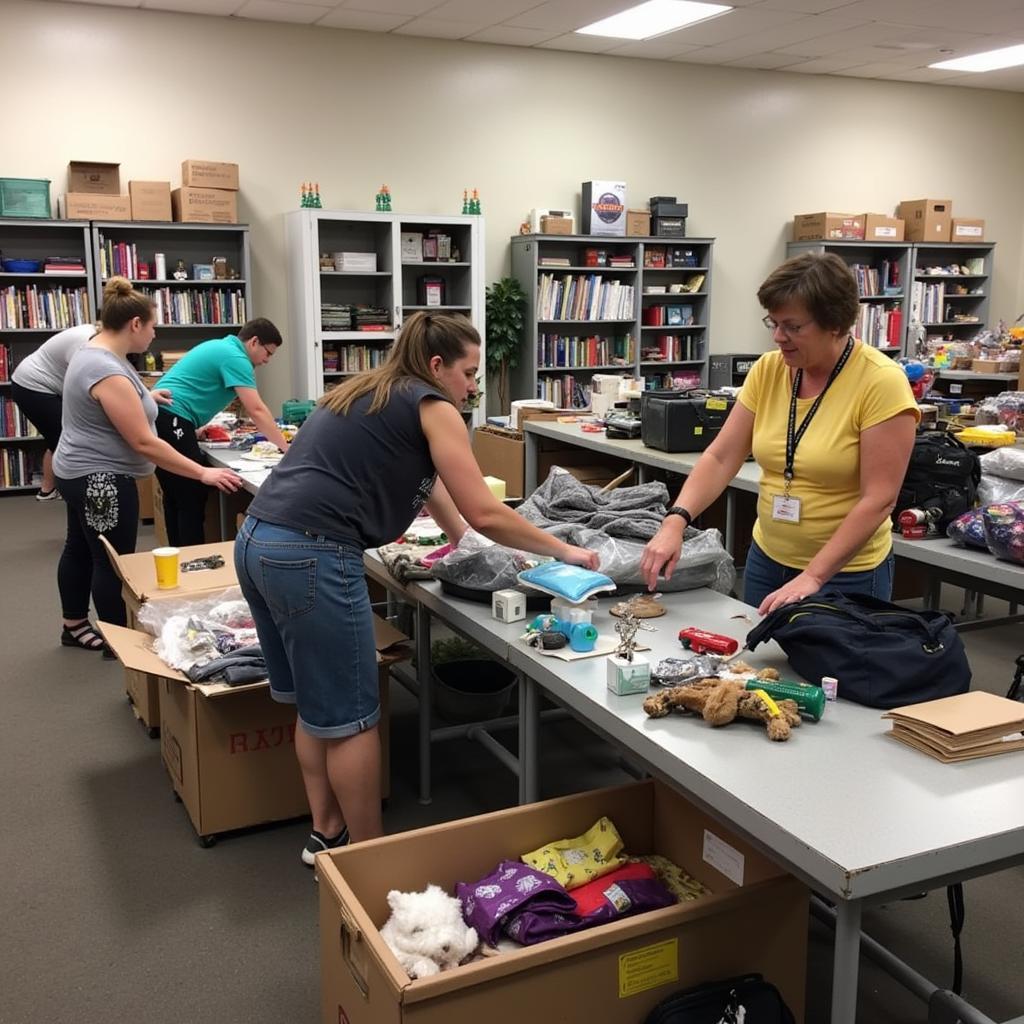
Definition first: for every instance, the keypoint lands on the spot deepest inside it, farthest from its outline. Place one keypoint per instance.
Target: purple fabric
(968, 530)
(1004, 530)
(627, 897)
(488, 903)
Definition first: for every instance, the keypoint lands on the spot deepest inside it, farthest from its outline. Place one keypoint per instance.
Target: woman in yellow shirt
(831, 423)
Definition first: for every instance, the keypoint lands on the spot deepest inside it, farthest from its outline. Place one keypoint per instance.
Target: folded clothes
(633, 889)
(574, 862)
(230, 667)
(402, 562)
(508, 892)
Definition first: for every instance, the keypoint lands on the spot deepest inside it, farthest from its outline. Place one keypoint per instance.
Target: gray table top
(843, 805)
(940, 552)
(252, 473)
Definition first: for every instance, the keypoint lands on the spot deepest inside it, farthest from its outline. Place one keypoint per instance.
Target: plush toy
(719, 701)
(426, 932)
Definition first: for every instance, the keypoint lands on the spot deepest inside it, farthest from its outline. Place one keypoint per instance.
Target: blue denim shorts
(312, 611)
(763, 575)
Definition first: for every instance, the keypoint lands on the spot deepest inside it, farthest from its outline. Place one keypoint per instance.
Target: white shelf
(355, 273)
(435, 263)
(436, 308)
(971, 375)
(146, 282)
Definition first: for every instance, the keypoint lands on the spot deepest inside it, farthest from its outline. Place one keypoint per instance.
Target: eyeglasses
(788, 329)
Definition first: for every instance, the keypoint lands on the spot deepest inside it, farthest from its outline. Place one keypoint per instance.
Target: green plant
(456, 649)
(506, 317)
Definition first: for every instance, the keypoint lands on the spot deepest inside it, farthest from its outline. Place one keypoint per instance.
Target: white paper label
(968, 231)
(785, 510)
(723, 857)
(884, 231)
(956, 389)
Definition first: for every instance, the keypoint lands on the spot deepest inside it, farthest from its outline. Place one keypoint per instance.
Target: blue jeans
(312, 612)
(763, 575)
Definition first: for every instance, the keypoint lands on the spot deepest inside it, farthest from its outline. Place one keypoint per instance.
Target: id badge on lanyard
(786, 508)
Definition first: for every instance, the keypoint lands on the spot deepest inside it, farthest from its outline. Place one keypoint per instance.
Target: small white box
(508, 605)
(412, 246)
(626, 677)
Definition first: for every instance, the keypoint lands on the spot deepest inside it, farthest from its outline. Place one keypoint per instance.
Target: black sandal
(84, 636)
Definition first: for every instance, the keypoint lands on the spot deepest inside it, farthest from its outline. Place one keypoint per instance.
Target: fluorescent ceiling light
(654, 18)
(992, 60)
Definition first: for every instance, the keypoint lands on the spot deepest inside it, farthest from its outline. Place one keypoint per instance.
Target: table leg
(530, 464)
(222, 511)
(730, 521)
(846, 962)
(425, 684)
(529, 727)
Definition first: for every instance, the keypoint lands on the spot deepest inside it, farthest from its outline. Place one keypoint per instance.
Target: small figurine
(627, 627)
(474, 203)
(386, 199)
(465, 201)
(316, 204)
(180, 273)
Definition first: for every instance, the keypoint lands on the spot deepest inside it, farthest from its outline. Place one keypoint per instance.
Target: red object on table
(700, 641)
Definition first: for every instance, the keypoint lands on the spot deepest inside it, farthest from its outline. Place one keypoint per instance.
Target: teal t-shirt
(202, 383)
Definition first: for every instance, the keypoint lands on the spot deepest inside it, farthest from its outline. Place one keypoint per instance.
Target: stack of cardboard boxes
(94, 193)
(208, 193)
(917, 220)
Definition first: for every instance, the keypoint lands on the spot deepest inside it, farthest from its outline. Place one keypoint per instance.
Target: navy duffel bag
(883, 655)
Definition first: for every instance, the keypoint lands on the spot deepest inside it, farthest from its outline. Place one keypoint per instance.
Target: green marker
(809, 699)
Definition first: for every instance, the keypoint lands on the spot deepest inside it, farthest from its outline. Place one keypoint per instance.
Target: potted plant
(506, 317)
(469, 685)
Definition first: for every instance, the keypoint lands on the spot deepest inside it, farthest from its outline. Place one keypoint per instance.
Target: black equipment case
(682, 421)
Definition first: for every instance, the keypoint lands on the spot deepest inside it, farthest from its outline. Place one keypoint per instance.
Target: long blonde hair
(423, 336)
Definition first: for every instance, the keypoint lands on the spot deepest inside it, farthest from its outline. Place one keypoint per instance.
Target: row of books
(882, 328)
(878, 280)
(32, 307)
(557, 350)
(927, 302)
(12, 420)
(198, 306)
(336, 316)
(118, 258)
(64, 265)
(584, 297)
(20, 467)
(6, 363)
(565, 392)
(353, 358)
(671, 348)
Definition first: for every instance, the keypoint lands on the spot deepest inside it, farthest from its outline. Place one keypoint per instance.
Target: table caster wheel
(153, 732)
(207, 841)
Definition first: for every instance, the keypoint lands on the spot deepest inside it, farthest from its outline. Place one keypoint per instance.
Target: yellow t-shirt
(870, 389)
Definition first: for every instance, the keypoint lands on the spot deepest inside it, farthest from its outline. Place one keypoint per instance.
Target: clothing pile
(208, 638)
(404, 562)
(569, 885)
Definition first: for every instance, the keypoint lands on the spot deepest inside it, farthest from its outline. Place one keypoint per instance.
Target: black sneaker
(49, 495)
(318, 842)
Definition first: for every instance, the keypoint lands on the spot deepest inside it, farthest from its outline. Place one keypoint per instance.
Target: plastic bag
(479, 564)
(1006, 408)
(995, 489)
(1005, 462)
(968, 531)
(572, 582)
(197, 630)
(1004, 530)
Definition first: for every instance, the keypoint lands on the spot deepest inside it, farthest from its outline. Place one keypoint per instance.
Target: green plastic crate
(296, 410)
(25, 197)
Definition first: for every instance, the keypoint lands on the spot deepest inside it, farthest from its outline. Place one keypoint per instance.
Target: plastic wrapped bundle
(1004, 530)
(477, 563)
(1006, 408)
(968, 530)
(1002, 476)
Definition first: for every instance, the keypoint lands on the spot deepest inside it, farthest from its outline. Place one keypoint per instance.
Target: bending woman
(375, 451)
(106, 443)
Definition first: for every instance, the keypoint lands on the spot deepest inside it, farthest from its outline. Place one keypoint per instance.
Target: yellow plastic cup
(166, 567)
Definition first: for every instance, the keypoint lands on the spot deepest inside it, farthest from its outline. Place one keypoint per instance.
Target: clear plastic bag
(1004, 530)
(479, 564)
(196, 630)
(994, 489)
(1006, 408)
(1004, 462)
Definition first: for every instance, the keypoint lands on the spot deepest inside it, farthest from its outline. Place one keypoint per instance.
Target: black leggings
(100, 504)
(42, 410)
(184, 498)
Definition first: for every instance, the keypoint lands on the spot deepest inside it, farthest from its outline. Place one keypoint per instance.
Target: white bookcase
(323, 355)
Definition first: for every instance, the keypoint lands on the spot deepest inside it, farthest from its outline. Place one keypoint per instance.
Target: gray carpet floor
(112, 912)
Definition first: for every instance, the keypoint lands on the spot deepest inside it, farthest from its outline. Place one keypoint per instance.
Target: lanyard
(793, 435)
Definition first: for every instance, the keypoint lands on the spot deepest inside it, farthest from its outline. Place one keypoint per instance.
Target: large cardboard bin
(230, 751)
(755, 920)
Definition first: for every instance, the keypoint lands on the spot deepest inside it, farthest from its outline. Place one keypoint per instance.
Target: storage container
(25, 197)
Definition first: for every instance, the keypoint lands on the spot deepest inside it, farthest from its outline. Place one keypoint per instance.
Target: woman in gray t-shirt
(107, 441)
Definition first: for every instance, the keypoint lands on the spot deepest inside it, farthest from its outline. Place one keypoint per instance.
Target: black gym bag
(721, 1002)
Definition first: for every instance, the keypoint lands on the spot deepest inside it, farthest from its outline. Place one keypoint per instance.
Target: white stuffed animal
(426, 931)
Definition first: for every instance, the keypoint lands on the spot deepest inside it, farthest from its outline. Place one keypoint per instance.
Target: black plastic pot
(472, 691)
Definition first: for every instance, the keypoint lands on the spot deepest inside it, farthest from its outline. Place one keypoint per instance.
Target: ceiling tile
(276, 10)
(362, 21)
(581, 44)
(435, 28)
(411, 8)
(110, 3)
(932, 75)
(509, 35)
(804, 6)
(765, 61)
(490, 11)
(221, 7)
(566, 15)
(735, 25)
(878, 70)
(925, 14)
(822, 65)
(660, 48)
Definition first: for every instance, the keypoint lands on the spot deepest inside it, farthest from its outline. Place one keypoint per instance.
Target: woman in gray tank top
(378, 448)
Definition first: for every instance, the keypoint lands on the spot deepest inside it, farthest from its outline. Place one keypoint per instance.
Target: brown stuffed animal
(719, 701)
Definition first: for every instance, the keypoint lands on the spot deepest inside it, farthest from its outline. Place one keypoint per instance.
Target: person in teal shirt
(201, 384)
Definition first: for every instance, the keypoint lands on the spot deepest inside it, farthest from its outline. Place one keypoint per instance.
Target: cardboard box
(879, 228)
(556, 226)
(638, 222)
(538, 213)
(814, 227)
(754, 920)
(985, 365)
(209, 174)
(204, 206)
(230, 751)
(604, 207)
(94, 178)
(93, 206)
(927, 220)
(151, 200)
(501, 453)
(965, 229)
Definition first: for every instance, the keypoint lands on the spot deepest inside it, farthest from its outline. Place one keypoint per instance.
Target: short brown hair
(820, 281)
(122, 303)
(263, 330)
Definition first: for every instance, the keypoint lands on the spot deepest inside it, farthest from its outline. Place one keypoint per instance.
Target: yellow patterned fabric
(574, 862)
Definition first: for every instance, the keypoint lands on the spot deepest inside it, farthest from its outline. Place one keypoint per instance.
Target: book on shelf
(186, 306)
(878, 326)
(555, 261)
(6, 366)
(564, 392)
(12, 420)
(960, 728)
(44, 307)
(556, 351)
(583, 297)
(20, 467)
(63, 265)
(353, 358)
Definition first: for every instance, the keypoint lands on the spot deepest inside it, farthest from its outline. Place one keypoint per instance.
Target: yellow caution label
(697, 431)
(716, 403)
(649, 967)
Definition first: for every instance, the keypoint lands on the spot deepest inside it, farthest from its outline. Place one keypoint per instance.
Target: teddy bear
(719, 701)
(426, 931)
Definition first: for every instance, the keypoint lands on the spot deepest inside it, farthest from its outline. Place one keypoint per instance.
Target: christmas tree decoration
(386, 199)
(315, 203)
(474, 203)
(465, 200)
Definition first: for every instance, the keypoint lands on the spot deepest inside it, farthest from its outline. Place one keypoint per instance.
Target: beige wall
(746, 149)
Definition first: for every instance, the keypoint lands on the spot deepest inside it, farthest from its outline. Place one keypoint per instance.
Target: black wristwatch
(678, 510)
